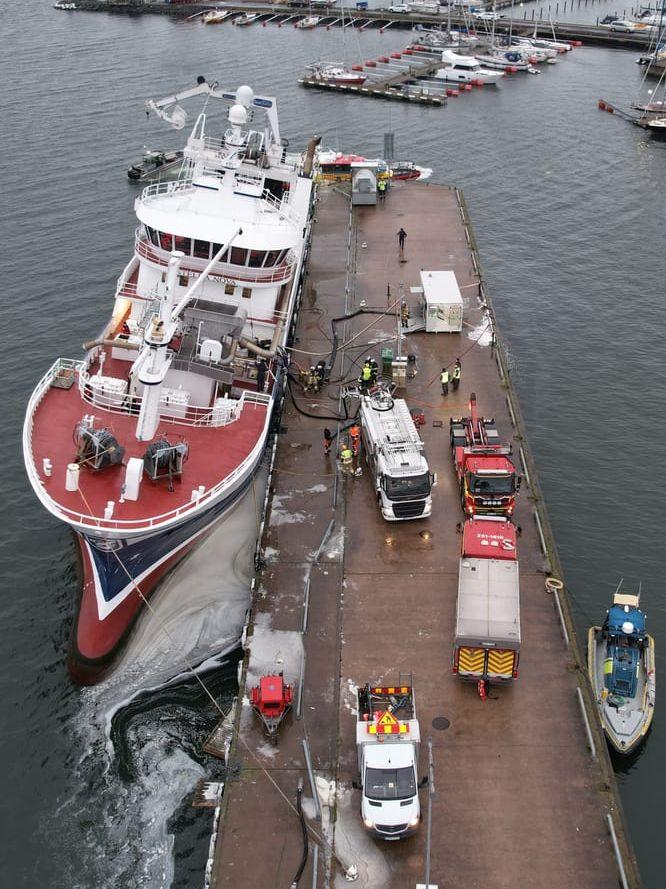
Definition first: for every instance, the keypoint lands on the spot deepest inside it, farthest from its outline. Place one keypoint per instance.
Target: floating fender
(609, 109)
(602, 105)
(396, 55)
(449, 92)
(371, 64)
(468, 87)
(357, 67)
(383, 59)
(455, 92)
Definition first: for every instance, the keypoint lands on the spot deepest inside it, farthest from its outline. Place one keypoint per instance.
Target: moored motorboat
(657, 127)
(334, 166)
(215, 16)
(147, 443)
(308, 23)
(248, 18)
(155, 162)
(621, 667)
(465, 69)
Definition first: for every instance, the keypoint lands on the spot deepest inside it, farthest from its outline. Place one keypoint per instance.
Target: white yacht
(465, 69)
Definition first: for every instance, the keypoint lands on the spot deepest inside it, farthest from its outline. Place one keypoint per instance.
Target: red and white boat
(146, 443)
(339, 75)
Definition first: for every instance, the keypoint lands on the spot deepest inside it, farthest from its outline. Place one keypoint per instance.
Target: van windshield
(407, 487)
(390, 783)
(492, 484)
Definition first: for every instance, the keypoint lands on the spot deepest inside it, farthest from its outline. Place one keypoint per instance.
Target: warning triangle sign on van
(387, 719)
(387, 724)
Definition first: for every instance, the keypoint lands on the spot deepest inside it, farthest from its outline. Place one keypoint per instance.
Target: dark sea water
(569, 209)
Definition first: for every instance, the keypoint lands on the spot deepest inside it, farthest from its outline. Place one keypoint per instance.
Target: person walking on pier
(457, 373)
(404, 313)
(381, 188)
(328, 441)
(444, 380)
(402, 237)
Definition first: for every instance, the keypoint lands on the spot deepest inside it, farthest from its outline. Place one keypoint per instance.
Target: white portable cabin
(364, 182)
(443, 302)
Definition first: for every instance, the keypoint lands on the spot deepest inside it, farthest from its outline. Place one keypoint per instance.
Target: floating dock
(525, 792)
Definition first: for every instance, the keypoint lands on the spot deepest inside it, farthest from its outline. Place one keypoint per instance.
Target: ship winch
(165, 460)
(96, 448)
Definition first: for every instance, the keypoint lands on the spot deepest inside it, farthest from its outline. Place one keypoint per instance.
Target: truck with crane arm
(487, 477)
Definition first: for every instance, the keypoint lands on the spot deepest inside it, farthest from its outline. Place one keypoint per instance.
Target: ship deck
(214, 452)
(520, 800)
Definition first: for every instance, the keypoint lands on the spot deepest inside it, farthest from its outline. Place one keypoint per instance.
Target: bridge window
(225, 255)
(256, 258)
(238, 256)
(272, 257)
(183, 244)
(166, 241)
(202, 249)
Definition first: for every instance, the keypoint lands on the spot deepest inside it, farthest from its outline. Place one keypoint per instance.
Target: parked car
(399, 8)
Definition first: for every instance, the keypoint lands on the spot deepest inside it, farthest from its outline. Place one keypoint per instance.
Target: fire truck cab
(487, 477)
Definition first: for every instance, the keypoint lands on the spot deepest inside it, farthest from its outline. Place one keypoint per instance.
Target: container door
(471, 661)
(500, 663)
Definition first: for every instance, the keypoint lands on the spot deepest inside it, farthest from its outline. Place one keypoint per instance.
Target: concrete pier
(524, 795)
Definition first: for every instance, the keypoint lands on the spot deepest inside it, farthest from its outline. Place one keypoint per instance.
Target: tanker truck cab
(395, 454)
(388, 738)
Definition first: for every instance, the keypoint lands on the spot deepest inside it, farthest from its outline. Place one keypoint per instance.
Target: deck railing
(232, 273)
(87, 521)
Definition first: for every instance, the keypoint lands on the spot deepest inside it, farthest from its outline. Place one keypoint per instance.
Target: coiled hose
(304, 858)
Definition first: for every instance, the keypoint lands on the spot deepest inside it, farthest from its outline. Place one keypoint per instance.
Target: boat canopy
(626, 621)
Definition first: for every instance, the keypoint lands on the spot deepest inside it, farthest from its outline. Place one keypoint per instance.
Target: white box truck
(487, 634)
(387, 742)
(443, 302)
(395, 455)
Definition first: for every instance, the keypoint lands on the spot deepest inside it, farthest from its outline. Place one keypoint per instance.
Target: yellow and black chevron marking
(500, 663)
(471, 660)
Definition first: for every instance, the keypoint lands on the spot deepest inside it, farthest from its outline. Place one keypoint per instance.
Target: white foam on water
(196, 618)
(483, 332)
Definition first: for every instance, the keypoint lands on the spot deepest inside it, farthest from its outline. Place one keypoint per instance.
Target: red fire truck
(487, 477)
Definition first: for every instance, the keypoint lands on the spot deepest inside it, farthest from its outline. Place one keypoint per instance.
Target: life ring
(553, 584)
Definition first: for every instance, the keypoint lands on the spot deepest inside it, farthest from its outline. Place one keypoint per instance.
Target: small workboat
(155, 162)
(248, 18)
(620, 659)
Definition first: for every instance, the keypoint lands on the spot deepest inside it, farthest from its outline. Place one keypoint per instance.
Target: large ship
(145, 444)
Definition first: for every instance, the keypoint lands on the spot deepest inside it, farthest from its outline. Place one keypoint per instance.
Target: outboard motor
(164, 460)
(97, 448)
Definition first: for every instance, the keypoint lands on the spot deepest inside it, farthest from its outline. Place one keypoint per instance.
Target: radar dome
(627, 627)
(237, 115)
(244, 96)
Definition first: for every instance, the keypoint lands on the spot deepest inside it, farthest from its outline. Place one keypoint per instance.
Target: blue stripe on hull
(140, 556)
